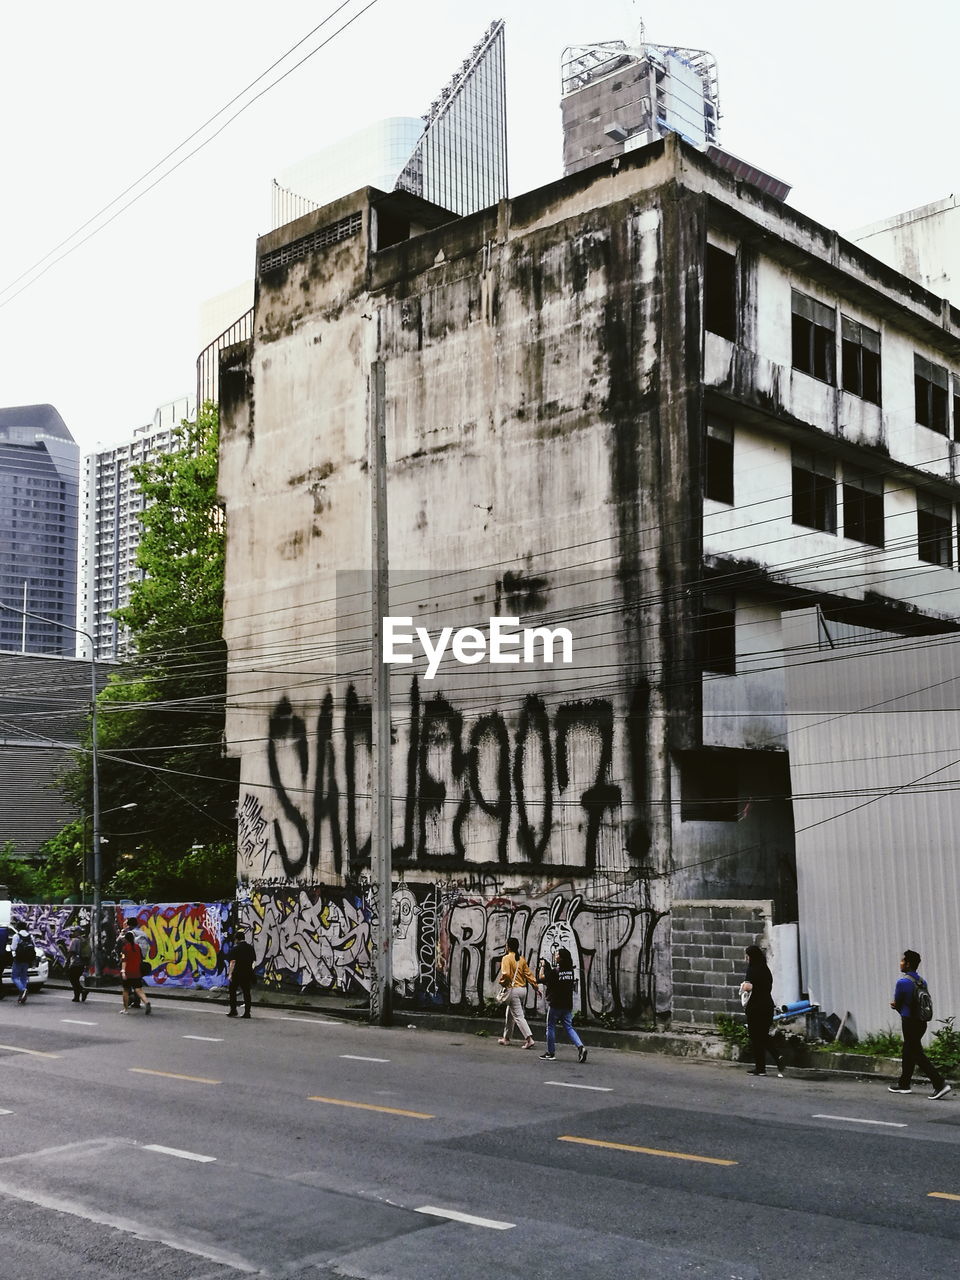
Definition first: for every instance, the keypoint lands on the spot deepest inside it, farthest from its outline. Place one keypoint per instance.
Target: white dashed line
(181, 1155)
(314, 1022)
(355, 1057)
(452, 1214)
(4, 1111)
(565, 1084)
(889, 1124)
(209, 1039)
(79, 1022)
(34, 1053)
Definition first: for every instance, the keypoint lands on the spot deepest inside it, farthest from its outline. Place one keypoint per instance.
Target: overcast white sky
(853, 102)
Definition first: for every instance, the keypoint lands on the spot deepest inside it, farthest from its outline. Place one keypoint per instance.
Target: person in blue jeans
(560, 980)
(914, 1028)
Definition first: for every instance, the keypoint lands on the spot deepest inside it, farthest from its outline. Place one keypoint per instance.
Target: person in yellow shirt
(516, 975)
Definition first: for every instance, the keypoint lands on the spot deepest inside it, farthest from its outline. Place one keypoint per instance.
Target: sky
(853, 102)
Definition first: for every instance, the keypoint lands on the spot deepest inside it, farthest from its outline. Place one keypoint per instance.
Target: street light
(94, 765)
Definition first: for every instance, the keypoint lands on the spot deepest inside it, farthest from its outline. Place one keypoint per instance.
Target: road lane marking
(34, 1053)
(941, 1195)
(646, 1151)
(889, 1124)
(209, 1039)
(469, 1218)
(565, 1084)
(369, 1106)
(314, 1022)
(355, 1057)
(80, 1022)
(4, 1111)
(181, 1155)
(173, 1075)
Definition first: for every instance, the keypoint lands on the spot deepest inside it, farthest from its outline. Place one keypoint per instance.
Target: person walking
(24, 954)
(78, 956)
(131, 973)
(907, 1001)
(140, 938)
(758, 985)
(560, 980)
(516, 976)
(242, 959)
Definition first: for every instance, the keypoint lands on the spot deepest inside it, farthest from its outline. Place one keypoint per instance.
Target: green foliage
(161, 715)
(733, 1032)
(945, 1049)
(59, 870)
(879, 1044)
(16, 873)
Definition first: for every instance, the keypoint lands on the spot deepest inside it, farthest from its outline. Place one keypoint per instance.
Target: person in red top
(131, 974)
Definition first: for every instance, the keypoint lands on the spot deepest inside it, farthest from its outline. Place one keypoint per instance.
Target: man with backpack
(911, 999)
(24, 954)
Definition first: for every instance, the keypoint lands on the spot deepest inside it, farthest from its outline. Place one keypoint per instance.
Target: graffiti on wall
(475, 792)
(447, 942)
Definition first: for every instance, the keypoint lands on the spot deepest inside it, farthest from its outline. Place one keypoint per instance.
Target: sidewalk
(810, 1064)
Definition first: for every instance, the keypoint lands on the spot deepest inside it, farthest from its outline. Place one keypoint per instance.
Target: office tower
(39, 484)
(454, 156)
(110, 529)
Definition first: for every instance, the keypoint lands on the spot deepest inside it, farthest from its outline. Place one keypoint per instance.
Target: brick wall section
(708, 940)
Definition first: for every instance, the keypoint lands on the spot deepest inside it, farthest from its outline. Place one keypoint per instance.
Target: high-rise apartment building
(39, 485)
(110, 527)
(454, 156)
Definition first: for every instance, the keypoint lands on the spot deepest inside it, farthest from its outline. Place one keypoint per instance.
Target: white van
(38, 973)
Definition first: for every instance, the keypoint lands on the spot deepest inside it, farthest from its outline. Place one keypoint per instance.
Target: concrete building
(110, 526)
(44, 706)
(39, 486)
(923, 243)
(648, 403)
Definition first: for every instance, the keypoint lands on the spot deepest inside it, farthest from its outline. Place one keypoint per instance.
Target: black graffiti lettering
(357, 726)
(286, 727)
(491, 726)
(406, 850)
(533, 719)
(441, 729)
(326, 794)
(596, 714)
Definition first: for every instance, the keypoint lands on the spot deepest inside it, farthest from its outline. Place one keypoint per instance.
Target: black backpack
(922, 1003)
(26, 952)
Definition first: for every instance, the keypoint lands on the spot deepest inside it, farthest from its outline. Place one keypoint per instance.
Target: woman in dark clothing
(758, 980)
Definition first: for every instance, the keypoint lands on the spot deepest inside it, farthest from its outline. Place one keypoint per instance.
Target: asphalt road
(193, 1145)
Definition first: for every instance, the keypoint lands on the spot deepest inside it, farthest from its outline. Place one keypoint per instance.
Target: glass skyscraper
(39, 500)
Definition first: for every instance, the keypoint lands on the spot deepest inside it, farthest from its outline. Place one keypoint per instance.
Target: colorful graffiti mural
(447, 941)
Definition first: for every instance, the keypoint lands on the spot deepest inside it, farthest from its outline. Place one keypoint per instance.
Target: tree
(161, 715)
(16, 873)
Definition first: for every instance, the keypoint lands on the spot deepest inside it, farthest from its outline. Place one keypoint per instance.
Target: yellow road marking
(34, 1053)
(369, 1106)
(941, 1195)
(645, 1151)
(173, 1075)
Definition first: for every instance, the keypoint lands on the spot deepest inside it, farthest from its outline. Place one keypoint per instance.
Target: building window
(718, 462)
(956, 407)
(934, 531)
(718, 636)
(709, 788)
(720, 293)
(930, 384)
(814, 337)
(860, 359)
(862, 506)
(814, 491)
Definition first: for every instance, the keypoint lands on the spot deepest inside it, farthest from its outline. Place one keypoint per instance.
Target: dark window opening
(934, 531)
(718, 637)
(860, 359)
(720, 293)
(956, 408)
(930, 385)
(862, 507)
(814, 337)
(718, 462)
(709, 788)
(814, 491)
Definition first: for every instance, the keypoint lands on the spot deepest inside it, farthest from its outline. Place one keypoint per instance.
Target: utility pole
(381, 827)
